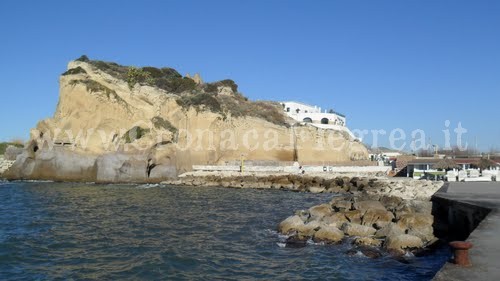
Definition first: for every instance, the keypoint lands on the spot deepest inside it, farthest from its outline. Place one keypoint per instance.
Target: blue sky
(409, 64)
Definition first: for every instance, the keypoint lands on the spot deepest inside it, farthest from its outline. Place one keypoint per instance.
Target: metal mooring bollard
(461, 253)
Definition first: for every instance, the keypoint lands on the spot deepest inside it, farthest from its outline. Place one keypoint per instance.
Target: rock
(390, 202)
(391, 229)
(367, 241)
(335, 189)
(329, 234)
(377, 218)
(341, 205)
(354, 216)
(320, 211)
(422, 206)
(316, 189)
(290, 224)
(163, 171)
(415, 221)
(361, 183)
(366, 205)
(352, 229)
(11, 152)
(308, 230)
(295, 242)
(55, 164)
(335, 219)
(402, 242)
(424, 233)
(303, 214)
(369, 252)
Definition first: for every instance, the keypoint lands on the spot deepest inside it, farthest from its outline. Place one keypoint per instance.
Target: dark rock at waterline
(369, 252)
(295, 242)
(61, 164)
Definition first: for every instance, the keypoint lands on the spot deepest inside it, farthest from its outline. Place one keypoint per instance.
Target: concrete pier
(468, 204)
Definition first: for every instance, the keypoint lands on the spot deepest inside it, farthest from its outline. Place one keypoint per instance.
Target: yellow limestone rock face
(102, 111)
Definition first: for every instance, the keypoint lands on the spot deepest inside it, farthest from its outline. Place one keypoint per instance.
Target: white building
(312, 114)
(305, 113)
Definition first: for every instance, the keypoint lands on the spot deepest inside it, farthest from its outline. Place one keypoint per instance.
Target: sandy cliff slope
(115, 123)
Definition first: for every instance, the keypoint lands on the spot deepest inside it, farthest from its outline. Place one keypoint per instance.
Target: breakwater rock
(367, 221)
(325, 183)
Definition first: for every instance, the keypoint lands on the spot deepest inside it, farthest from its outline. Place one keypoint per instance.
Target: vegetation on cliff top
(199, 96)
(4, 145)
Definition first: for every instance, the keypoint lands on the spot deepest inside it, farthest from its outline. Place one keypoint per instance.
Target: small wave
(34, 181)
(409, 255)
(360, 254)
(281, 245)
(144, 186)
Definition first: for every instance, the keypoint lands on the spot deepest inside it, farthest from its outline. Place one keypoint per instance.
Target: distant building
(312, 114)
(384, 153)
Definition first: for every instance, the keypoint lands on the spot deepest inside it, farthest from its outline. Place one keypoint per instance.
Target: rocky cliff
(116, 123)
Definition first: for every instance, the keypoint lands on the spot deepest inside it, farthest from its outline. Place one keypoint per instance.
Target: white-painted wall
(313, 112)
(295, 170)
(293, 105)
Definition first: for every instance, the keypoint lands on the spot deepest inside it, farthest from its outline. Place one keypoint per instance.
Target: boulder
(303, 214)
(307, 231)
(415, 221)
(329, 234)
(316, 189)
(391, 229)
(354, 216)
(377, 218)
(402, 242)
(320, 211)
(390, 202)
(335, 219)
(368, 251)
(367, 241)
(424, 233)
(366, 205)
(121, 167)
(290, 224)
(341, 205)
(352, 229)
(162, 171)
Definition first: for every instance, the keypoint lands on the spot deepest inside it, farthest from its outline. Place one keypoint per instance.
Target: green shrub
(200, 101)
(4, 145)
(228, 83)
(170, 73)
(75, 70)
(153, 71)
(213, 87)
(134, 134)
(83, 58)
(137, 75)
(111, 68)
(179, 85)
(240, 106)
(160, 123)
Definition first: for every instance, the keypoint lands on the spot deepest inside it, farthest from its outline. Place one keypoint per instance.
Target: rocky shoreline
(375, 215)
(316, 183)
(373, 222)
